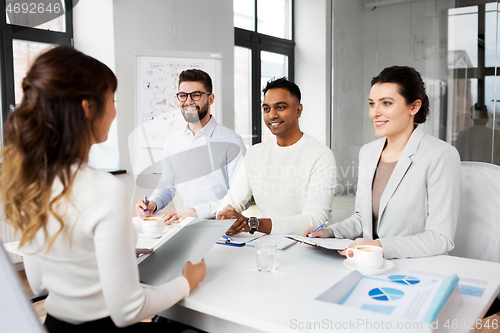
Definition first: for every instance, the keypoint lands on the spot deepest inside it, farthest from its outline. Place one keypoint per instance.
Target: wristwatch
(253, 223)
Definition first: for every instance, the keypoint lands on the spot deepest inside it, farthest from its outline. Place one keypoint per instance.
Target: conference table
(236, 297)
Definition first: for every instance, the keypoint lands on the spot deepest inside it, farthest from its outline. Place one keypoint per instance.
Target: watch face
(253, 222)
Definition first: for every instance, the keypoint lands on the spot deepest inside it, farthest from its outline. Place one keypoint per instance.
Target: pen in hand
(320, 227)
(146, 202)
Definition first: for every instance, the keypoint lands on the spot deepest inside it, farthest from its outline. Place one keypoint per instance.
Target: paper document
(282, 242)
(470, 287)
(326, 243)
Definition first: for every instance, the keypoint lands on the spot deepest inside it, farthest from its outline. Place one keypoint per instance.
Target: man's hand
(194, 273)
(179, 215)
(141, 206)
(240, 225)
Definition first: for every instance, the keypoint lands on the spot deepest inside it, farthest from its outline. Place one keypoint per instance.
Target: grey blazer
(419, 207)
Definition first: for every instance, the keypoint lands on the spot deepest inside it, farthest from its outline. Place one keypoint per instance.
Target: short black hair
(411, 87)
(283, 83)
(196, 75)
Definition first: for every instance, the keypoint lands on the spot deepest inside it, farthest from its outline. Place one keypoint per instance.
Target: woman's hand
(194, 273)
(322, 233)
(362, 241)
(141, 251)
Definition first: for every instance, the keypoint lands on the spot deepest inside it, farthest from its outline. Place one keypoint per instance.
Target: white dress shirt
(199, 168)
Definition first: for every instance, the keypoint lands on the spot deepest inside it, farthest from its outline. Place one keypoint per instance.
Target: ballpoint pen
(320, 227)
(227, 238)
(146, 202)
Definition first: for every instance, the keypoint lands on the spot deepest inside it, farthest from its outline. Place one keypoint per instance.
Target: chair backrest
(478, 228)
(16, 312)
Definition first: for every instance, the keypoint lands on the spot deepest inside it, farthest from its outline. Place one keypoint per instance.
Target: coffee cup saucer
(142, 234)
(387, 265)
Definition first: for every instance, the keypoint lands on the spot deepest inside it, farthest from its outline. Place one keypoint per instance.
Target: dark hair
(49, 133)
(283, 83)
(411, 87)
(196, 75)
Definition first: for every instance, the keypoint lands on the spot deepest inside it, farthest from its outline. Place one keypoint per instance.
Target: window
(29, 30)
(264, 49)
(472, 41)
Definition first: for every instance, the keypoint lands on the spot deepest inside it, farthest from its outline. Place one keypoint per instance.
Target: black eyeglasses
(195, 95)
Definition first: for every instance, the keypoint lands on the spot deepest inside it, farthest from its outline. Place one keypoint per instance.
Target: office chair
(478, 227)
(16, 313)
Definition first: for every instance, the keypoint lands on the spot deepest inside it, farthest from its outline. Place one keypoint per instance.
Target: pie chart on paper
(386, 294)
(404, 279)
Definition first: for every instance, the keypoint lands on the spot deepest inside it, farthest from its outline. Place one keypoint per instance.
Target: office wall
(187, 25)
(313, 65)
(93, 34)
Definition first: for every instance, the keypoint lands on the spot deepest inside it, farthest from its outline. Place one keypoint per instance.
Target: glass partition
(454, 46)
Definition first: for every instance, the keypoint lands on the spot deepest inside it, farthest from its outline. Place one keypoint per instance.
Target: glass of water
(266, 255)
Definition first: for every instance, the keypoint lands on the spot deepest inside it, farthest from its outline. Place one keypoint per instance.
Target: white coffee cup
(152, 225)
(366, 256)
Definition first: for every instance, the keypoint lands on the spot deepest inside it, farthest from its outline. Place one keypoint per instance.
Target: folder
(191, 243)
(420, 302)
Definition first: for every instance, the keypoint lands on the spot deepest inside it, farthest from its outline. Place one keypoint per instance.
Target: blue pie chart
(385, 294)
(404, 279)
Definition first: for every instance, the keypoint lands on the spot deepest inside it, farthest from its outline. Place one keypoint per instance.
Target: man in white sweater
(291, 176)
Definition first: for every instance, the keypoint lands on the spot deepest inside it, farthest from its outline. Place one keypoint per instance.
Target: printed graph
(404, 279)
(386, 294)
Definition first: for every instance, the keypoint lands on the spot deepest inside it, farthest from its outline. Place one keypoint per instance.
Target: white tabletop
(235, 297)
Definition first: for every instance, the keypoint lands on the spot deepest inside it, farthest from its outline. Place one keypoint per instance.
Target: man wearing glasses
(200, 161)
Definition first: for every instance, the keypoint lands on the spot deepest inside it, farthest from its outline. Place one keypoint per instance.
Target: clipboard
(338, 244)
(240, 239)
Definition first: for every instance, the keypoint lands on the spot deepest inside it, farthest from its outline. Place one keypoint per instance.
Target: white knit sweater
(293, 185)
(91, 270)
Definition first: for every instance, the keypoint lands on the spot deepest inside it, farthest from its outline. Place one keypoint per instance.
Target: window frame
(11, 32)
(258, 42)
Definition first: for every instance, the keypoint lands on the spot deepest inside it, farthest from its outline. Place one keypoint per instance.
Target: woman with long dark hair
(74, 221)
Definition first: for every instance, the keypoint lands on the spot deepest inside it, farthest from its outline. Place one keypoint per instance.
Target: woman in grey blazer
(408, 190)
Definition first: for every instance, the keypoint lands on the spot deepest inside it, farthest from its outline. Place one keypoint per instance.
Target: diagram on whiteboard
(157, 107)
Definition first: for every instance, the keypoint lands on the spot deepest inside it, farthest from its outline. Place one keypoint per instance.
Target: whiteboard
(157, 112)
